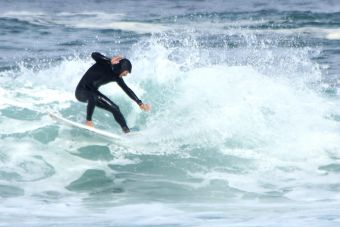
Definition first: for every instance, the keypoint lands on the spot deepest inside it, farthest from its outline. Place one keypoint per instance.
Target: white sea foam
(333, 34)
(90, 20)
(137, 27)
(101, 20)
(18, 14)
(315, 32)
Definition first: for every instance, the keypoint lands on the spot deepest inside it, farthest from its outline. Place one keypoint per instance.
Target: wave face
(244, 129)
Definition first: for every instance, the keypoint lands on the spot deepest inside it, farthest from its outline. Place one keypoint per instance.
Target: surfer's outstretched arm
(128, 91)
(132, 95)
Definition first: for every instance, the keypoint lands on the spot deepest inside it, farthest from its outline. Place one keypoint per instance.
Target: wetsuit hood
(123, 65)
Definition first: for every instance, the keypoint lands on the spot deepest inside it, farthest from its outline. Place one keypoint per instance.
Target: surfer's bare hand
(116, 59)
(145, 107)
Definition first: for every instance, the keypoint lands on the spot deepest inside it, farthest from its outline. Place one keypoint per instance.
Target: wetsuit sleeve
(128, 91)
(98, 57)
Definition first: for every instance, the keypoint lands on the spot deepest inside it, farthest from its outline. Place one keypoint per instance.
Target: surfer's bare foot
(126, 130)
(89, 123)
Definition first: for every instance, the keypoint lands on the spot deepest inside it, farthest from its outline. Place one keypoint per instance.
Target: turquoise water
(244, 129)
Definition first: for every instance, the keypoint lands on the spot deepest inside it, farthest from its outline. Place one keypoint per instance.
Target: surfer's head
(124, 73)
(124, 67)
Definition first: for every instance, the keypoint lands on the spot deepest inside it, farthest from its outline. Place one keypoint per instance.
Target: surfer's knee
(78, 96)
(81, 96)
(113, 107)
(116, 108)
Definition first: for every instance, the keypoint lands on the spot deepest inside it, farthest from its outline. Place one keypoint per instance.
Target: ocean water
(244, 130)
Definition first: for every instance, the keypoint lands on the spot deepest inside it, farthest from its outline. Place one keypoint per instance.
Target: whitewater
(245, 121)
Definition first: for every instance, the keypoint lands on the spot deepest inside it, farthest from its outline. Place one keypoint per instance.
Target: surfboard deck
(70, 123)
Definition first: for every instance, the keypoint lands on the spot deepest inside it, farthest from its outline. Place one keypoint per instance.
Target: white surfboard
(100, 132)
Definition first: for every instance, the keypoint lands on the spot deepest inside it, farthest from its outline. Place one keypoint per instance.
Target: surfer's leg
(90, 97)
(81, 95)
(105, 103)
(91, 103)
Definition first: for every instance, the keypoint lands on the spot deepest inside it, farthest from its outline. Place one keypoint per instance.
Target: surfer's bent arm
(128, 91)
(98, 57)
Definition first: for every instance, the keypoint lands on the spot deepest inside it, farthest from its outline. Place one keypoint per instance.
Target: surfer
(106, 70)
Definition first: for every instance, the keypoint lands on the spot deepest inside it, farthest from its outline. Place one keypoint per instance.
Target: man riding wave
(104, 71)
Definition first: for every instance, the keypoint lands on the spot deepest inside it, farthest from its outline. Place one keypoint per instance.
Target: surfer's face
(124, 73)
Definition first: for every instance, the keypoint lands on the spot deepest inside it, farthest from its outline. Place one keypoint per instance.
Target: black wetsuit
(102, 72)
